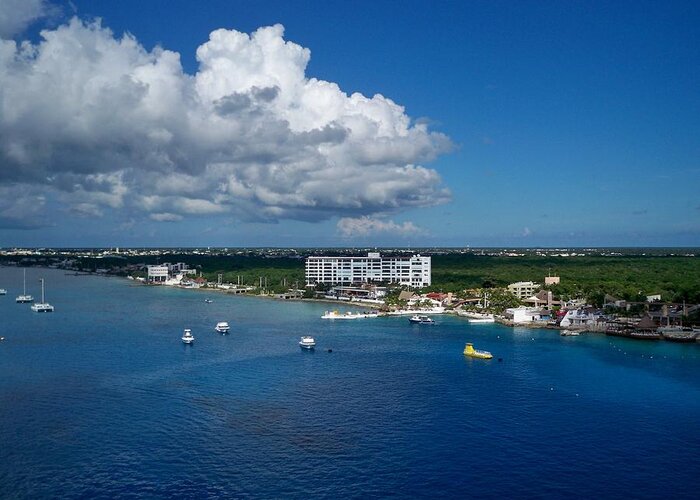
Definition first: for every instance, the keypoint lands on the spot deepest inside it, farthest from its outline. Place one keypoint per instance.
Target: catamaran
(43, 306)
(21, 299)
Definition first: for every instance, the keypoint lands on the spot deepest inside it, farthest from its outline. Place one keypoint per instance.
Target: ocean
(101, 399)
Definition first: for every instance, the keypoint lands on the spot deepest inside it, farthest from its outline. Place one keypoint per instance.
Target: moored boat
(43, 306)
(476, 353)
(222, 327)
(421, 318)
(569, 333)
(24, 298)
(307, 342)
(187, 336)
(678, 333)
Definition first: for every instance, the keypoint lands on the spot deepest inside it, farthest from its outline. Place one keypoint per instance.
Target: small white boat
(208, 301)
(187, 337)
(307, 342)
(222, 327)
(24, 298)
(569, 333)
(43, 306)
(3, 291)
(421, 318)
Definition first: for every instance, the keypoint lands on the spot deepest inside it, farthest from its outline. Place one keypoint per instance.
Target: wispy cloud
(368, 226)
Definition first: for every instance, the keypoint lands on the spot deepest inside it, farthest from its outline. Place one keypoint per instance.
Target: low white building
(524, 314)
(578, 318)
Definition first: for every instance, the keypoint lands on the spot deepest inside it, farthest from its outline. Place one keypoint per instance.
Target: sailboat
(43, 306)
(24, 298)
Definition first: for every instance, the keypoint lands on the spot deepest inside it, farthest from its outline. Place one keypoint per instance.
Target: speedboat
(421, 318)
(475, 353)
(307, 342)
(208, 301)
(187, 337)
(3, 291)
(222, 327)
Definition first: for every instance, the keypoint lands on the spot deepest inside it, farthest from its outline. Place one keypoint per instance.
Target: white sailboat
(43, 306)
(24, 298)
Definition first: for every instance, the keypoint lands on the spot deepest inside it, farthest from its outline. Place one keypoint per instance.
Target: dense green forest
(625, 277)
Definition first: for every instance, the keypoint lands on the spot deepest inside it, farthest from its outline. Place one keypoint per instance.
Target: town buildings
(413, 271)
(523, 289)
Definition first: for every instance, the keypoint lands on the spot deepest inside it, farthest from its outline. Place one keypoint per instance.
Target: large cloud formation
(99, 123)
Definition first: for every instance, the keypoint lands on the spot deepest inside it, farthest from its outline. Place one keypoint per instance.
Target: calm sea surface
(101, 399)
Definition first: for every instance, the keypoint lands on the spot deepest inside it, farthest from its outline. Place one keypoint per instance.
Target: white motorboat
(307, 342)
(3, 291)
(222, 327)
(208, 301)
(421, 318)
(569, 333)
(24, 298)
(43, 306)
(187, 337)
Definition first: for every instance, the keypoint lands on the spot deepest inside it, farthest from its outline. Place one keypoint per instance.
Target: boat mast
(25, 281)
(42, 290)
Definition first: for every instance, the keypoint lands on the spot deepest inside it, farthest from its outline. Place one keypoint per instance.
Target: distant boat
(3, 291)
(569, 333)
(348, 315)
(475, 353)
(421, 318)
(24, 298)
(222, 327)
(208, 301)
(187, 337)
(307, 342)
(43, 306)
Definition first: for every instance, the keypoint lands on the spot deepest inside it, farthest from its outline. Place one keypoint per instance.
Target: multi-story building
(413, 271)
(158, 274)
(523, 289)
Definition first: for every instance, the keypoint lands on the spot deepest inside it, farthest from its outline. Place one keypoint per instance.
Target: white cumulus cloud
(97, 122)
(349, 227)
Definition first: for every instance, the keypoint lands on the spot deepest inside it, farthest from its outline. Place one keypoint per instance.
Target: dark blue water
(101, 399)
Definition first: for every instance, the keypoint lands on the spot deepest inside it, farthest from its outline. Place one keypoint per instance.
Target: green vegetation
(630, 278)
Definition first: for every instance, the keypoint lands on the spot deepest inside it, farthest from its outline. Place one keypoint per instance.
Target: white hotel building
(412, 271)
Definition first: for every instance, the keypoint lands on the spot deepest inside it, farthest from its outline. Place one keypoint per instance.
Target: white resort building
(523, 289)
(413, 271)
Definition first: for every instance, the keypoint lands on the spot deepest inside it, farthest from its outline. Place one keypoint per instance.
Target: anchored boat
(187, 337)
(222, 327)
(307, 342)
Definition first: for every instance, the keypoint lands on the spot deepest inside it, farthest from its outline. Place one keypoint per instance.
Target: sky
(333, 123)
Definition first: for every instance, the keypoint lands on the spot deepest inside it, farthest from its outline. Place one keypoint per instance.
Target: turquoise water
(101, 399)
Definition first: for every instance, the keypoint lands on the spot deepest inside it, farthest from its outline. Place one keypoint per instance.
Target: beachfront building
(158, 274)
(523, 289)
(413, 271)
(525, 314)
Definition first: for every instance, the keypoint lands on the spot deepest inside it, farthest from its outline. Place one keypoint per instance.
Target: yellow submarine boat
(475, 353)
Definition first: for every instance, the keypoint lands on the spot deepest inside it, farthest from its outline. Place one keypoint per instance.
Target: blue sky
(548, 124)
